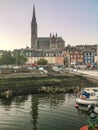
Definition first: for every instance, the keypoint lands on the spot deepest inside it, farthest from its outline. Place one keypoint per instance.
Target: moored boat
(92, 123)
(96, 109)
(88, 96)
(86, 127)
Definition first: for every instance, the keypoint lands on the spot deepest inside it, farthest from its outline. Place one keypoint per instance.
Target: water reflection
(20, 99)
(6, 102)
(83, 113)
(55, 100)
(41, 112)
(34, 111)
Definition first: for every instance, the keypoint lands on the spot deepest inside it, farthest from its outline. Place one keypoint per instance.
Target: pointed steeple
(34, 30)
(34, 11)
(34, 17)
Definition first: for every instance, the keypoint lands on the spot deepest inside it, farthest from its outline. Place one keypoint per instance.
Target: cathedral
(49, 48)
(53, 42)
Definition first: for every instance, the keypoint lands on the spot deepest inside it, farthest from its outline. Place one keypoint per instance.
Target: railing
(92, 124)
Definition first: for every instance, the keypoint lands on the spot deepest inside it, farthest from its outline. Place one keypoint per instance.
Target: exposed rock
(7, 94)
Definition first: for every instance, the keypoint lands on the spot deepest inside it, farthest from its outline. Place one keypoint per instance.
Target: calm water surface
(41, 112)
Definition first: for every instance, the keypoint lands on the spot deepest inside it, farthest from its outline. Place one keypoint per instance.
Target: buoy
(76, 105)
(86, 128)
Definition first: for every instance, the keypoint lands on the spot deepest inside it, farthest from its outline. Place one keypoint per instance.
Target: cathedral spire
(34, 11)
(34, 30)
(34, 16)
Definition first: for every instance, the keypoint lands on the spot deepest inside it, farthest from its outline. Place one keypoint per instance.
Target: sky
(76, 21)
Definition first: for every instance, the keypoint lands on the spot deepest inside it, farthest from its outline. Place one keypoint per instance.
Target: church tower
(33, 31)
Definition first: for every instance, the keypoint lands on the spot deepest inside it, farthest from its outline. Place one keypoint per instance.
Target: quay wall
(28, 83)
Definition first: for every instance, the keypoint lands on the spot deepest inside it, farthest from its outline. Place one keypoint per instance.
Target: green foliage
(7, 59)
(66, 61)
(42, 62)
(20, 59)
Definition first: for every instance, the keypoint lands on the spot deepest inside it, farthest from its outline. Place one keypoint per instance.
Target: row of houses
(52, 56)
(85, 55)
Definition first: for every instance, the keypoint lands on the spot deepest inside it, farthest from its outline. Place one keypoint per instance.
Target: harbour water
(41, 112)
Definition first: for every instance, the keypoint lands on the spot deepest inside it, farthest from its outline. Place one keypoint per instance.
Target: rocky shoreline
(26, 83)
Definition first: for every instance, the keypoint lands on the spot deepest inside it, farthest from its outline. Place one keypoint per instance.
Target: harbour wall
(28, 83)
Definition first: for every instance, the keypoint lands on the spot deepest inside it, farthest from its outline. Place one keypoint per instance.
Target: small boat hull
(86, 102)
(86, 128)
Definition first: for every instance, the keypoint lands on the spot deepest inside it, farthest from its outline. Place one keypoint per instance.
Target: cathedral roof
(48, 39)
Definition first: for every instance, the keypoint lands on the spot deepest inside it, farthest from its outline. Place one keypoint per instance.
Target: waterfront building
(92, 48)
(76, 57)
(53, 42)
(53, 57)
(96, 57)
(49, 48)
(89, 57)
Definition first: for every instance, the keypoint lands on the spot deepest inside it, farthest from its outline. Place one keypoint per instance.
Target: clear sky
(75, 20)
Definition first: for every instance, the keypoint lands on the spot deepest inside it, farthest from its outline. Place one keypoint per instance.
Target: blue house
(89, 57)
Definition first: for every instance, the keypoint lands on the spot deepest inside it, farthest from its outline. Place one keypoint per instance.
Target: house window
(92, 61)
(85, 57)
(92, 58)
(78, 55)
(74, 56)
(47, 54)
(85, 61)
(71, 56)
(88, 57)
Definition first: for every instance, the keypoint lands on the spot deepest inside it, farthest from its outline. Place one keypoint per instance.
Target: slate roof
(48, 39)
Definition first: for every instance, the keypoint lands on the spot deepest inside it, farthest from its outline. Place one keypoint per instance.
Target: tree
(7, 59)
(42, 62)
(20, 59)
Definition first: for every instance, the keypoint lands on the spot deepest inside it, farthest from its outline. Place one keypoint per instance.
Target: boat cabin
(89, 93)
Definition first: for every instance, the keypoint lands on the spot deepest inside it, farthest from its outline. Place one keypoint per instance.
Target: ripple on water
(54, 114)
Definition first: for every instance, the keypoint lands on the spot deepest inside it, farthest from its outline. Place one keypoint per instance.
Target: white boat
(96, 109)
(88, 96)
